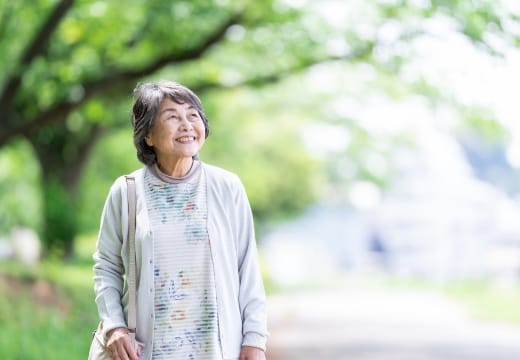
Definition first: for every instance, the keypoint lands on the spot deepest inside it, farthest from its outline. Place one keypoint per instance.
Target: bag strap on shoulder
(132, 316)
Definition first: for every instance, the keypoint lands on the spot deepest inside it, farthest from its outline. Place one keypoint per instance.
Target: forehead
(167, 104)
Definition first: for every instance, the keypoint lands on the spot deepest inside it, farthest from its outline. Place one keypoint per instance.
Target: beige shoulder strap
(132, 322)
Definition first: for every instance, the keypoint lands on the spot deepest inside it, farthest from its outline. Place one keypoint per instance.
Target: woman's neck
(176, 169)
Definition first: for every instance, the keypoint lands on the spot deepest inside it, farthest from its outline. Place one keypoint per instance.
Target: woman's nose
(185, 123)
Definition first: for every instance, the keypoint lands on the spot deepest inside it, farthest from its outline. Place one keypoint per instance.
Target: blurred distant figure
(199, 289)
(379, 250)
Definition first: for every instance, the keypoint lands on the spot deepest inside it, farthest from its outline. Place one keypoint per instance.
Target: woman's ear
(148, 140)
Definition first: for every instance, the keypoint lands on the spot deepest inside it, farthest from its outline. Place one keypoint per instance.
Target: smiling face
(177, 134)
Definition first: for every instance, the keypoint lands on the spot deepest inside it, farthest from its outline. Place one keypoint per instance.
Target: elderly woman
(199, 289)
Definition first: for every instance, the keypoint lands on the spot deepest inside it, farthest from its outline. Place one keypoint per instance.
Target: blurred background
(378, 140)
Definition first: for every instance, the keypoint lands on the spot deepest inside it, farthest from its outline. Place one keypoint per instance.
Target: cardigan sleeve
(251, 290)
(108, 262)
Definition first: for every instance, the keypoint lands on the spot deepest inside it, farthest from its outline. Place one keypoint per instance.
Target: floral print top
(185, 326)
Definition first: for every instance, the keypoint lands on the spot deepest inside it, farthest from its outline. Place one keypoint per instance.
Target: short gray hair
(147, 100)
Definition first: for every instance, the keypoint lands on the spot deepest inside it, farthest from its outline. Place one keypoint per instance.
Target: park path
(382, 324)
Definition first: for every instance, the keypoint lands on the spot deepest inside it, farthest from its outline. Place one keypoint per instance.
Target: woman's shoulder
(120, 182)
(220, 175)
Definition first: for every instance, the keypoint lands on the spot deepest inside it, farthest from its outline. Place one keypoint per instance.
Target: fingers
(122, 350)
(130, 352)
(120, 345)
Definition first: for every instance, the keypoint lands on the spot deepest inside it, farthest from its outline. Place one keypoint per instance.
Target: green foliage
(21, 201)
(114, 155)
(68, 71)
(69, 76)
(481, 122)
(259, 139)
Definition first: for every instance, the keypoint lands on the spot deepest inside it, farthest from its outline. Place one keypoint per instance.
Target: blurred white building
(437, 222)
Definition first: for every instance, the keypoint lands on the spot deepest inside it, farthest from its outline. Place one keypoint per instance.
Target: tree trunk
(60, 217)
(62, 155)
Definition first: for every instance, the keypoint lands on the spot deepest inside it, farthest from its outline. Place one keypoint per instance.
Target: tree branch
(35, 48)
(117, 79)
(42, 37)
(64, 108)
(73, 172)
(265, 79)
(104, 85)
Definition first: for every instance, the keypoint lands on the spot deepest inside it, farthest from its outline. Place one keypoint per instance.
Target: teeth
(186, 139)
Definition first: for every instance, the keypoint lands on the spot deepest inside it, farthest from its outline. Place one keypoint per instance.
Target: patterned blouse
(185, 325)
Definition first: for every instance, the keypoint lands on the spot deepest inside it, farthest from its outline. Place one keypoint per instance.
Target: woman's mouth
(186, 139)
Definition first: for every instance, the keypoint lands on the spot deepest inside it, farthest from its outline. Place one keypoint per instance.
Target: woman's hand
(120, 345)
(251, 353)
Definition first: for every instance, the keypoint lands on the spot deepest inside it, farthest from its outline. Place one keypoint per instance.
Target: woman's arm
(251, 288)
(108, 264)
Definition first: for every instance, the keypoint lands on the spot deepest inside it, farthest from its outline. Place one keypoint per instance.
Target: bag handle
(132, 316)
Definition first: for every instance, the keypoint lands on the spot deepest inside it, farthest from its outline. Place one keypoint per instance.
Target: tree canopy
(69, 67)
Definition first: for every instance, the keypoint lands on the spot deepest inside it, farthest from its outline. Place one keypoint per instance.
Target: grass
(43, 317)
(47, 311)
(487, 301)
(483, 299)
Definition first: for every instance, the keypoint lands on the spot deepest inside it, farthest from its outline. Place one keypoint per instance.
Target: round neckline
(195, 168)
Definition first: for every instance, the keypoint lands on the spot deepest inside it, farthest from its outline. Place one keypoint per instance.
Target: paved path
(375, 324)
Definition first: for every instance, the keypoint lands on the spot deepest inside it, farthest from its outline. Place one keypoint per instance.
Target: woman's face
(178, 131)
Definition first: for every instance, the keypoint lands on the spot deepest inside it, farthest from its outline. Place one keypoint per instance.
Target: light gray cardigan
(239, 287)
